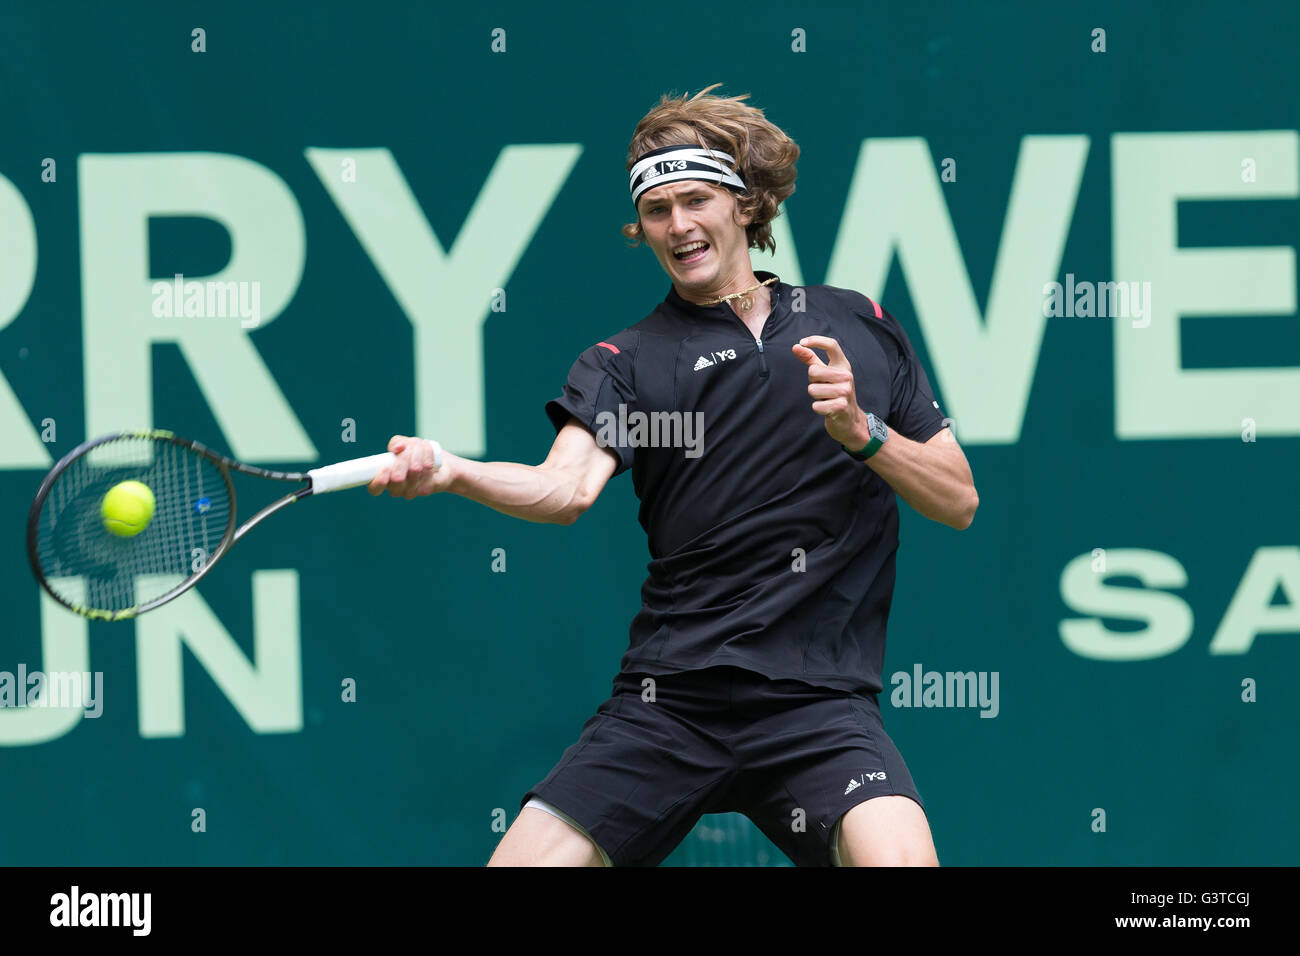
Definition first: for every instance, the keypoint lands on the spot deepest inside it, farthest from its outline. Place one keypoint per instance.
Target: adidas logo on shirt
(717, 358)
(853, 785)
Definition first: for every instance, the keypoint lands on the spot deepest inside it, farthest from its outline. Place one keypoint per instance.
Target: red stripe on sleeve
(606, 345)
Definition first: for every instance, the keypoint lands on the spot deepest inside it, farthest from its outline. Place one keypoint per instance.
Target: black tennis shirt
(771, 549)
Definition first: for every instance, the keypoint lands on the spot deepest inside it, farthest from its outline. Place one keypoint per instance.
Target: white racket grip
(358, 471)
(349, 474)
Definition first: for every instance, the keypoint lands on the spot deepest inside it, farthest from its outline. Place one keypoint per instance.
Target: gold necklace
(746, 303)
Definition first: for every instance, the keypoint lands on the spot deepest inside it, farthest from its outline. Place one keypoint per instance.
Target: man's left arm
(933, 476)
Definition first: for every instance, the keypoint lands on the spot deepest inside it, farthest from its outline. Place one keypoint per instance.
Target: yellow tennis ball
(127, 508)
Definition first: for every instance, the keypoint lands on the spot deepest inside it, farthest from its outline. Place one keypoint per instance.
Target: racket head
(101, 576)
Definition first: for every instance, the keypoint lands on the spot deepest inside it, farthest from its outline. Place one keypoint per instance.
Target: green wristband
(879, 433)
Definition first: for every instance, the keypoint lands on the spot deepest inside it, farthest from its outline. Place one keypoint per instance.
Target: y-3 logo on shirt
(714, 358)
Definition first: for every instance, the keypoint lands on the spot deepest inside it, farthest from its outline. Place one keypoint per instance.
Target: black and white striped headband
(670, 164)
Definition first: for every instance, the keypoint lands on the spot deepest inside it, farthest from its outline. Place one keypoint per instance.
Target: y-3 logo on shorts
(863, 778)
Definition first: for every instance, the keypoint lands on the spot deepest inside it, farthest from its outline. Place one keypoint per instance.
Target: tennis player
(783, 423)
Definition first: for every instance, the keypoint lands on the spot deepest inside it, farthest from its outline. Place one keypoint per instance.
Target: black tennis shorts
(792, 757)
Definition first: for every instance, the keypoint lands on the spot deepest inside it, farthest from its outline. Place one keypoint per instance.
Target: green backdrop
(429, 199)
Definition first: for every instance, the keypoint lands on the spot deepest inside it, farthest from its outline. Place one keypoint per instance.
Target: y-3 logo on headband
(669, 165)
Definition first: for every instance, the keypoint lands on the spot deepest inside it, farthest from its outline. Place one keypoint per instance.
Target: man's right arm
(557, 491)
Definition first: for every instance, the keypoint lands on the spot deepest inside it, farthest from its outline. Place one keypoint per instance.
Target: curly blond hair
(764, 154)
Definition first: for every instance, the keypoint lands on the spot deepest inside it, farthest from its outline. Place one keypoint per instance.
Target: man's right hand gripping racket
(125, 523)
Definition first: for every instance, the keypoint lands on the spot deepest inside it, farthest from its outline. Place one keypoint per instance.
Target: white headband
(670, 164)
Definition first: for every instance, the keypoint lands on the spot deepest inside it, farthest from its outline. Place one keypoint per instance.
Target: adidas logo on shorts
(864, 778)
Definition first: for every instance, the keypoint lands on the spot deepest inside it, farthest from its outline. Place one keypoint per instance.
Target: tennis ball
(127, 509)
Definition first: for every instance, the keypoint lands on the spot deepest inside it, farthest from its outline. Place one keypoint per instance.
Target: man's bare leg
(538, 838)
(886, 831)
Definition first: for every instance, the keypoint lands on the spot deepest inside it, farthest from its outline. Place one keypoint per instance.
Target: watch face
(877, 427)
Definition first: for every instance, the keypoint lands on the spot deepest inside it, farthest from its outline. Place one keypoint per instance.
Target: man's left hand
(831, 387)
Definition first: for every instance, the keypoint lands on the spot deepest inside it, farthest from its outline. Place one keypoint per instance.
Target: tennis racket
(106, 577)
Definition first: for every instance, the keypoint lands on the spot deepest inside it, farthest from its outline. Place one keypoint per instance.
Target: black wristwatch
(879, 434)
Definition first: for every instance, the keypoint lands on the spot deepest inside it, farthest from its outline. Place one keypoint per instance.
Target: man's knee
(539, 838)
(886, 831)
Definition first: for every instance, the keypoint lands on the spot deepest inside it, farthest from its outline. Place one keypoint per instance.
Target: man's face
(688, 213)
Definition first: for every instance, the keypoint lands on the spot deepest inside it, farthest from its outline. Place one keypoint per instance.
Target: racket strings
(89, 566)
